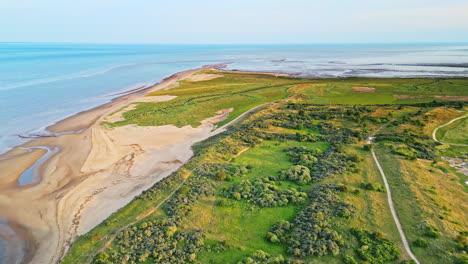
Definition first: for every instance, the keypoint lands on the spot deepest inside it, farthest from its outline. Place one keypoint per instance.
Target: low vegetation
(295, 181)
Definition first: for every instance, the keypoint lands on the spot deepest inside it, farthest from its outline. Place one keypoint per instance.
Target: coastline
(66, 134)
(95, 172)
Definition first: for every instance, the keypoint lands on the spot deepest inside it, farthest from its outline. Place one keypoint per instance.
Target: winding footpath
(446, 124)
(390, 203)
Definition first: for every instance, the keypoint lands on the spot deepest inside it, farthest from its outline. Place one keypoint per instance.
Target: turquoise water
(41, 83)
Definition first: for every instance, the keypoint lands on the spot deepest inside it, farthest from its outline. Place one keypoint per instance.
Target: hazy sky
(233, 21)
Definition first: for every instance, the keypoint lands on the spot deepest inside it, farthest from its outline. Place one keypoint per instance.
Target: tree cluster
(264, 192)
(220, 171)
(299, 174)
(182, 201)
(417, 143)
(261, 257)
(158, 241)
(334, 161)
(310, 232)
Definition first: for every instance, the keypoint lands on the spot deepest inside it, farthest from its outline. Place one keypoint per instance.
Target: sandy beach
(95, 171)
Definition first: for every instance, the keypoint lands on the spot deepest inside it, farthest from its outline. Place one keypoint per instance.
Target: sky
(233, 21)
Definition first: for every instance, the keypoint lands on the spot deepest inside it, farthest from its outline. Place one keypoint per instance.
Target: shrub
(463, 260)
(422, 243)
(220, 176)
(265, 193)
(368, 147)
(375, 251)
(432, 233)
(310, 232)
(298, 173)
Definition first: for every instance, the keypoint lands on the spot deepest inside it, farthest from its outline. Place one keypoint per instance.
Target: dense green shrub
(279, 232)
(374, 250)
(220, 171)
(432, 232)
(265, 193)
(261, 257)
(334, 162)
(156, 241)
(310, 232)
(298, 173)
(182, 201)
(421, 242)
(373, 187)
(462, 242)
(414, 142)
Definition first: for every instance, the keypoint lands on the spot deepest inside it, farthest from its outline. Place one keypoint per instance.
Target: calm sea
(41, 83)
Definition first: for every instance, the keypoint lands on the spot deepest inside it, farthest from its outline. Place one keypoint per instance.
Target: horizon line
(227, 43)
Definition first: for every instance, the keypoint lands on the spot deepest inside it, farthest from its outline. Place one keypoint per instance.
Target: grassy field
(199, 100)
(239, 222)
(428, 194)
(456, 132)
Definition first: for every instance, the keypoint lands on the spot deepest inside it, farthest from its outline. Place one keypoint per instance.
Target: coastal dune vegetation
(294, 181)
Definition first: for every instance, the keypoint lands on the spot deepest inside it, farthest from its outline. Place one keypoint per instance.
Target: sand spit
(94, 173)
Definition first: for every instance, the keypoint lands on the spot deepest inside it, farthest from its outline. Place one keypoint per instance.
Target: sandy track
(390, 200)
(392, 209)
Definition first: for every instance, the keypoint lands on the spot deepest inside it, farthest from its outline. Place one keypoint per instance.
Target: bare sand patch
(203, 77)
(259, 73)
(452, 98)
(118, 116)
(363, 89)
(155, 99)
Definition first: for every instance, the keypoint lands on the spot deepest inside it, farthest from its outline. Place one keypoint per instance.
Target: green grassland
(197, 101)
(325, 117)
(456, 132)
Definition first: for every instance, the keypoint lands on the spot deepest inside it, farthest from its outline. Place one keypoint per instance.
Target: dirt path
(390, 201)
(446, 124)
(240, 116)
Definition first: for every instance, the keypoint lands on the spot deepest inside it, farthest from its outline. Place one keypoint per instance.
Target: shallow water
(41, 83)
(29, 176)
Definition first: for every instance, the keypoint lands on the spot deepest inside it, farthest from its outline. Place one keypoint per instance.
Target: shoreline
(24, 159)
(95, 172)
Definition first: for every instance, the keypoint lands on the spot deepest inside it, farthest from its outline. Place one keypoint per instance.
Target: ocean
(42, 83)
